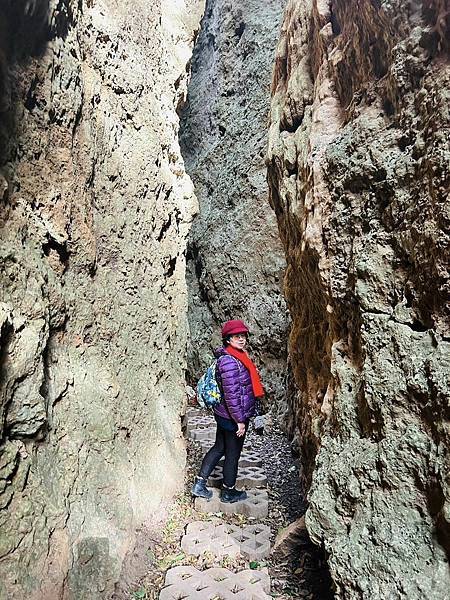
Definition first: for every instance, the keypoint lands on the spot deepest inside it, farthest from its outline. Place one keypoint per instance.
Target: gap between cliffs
(235, 260)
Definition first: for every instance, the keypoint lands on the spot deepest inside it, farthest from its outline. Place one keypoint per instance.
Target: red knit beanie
(233, 327)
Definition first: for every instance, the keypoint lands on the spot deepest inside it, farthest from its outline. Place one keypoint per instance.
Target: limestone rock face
(359, 180)
(235, 259)
(96, 208)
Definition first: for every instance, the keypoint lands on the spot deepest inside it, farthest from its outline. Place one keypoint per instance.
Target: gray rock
(96, 208)
(235, 262)
(359, 177)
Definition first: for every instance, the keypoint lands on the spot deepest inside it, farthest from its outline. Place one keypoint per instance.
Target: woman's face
(238, 341)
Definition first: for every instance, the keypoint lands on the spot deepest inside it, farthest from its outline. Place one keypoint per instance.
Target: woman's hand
(240, 430)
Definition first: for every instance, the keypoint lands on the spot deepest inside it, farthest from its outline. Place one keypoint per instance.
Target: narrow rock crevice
(104, 112)
(234, 260)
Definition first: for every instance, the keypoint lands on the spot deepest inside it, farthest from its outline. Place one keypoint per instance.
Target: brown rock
(290, 538)
(359, 179)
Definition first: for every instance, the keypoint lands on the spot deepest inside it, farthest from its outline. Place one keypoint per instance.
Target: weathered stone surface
(290, 538)
(359, 180)
(95, 211)
(235, 259)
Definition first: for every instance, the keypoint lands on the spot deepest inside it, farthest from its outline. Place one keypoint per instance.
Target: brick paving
(248, 477)
(215, 584)
(223, 539)
(251, 541)
(256, 505)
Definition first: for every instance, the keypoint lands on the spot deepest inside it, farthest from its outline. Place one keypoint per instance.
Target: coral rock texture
(358, 167)
(96, 208)
(235, 258)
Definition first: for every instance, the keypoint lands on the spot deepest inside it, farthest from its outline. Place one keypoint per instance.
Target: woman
(241, 386)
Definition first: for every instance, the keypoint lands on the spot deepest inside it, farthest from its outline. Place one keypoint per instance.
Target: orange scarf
(245, 359)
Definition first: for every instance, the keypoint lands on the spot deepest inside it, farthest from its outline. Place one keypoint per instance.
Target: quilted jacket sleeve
(229, 370)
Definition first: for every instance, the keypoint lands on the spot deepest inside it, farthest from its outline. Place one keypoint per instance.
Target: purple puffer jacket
(239, 402)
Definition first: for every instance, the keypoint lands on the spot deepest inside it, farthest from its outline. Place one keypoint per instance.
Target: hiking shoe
(231, 495)
(200, 490)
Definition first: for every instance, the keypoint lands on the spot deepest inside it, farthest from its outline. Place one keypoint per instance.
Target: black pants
(227, 444)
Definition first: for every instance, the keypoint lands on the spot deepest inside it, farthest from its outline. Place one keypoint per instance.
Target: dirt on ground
(302, 574)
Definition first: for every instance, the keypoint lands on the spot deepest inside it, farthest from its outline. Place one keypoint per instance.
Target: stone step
(256, 505)
(248, 477)
(193, 411)
(204, 435)
(193, 414)
(248, 458)
(187, 582)
(250, 541)
(202, 422)
(202, 536)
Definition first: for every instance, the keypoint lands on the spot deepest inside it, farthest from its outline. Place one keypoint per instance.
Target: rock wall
(358, 167)
(235, 259)
(96, 208)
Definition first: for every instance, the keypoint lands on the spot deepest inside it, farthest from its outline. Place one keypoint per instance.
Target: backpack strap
(218, 377)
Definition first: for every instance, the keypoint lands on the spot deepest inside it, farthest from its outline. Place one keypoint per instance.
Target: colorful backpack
(209, 393)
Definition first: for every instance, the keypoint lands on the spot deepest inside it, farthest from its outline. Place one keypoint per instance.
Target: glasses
(242, 336)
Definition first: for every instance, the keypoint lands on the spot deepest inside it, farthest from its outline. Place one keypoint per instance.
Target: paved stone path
(248, 477)
(223, 539)
(187, 582)
(251, 541)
